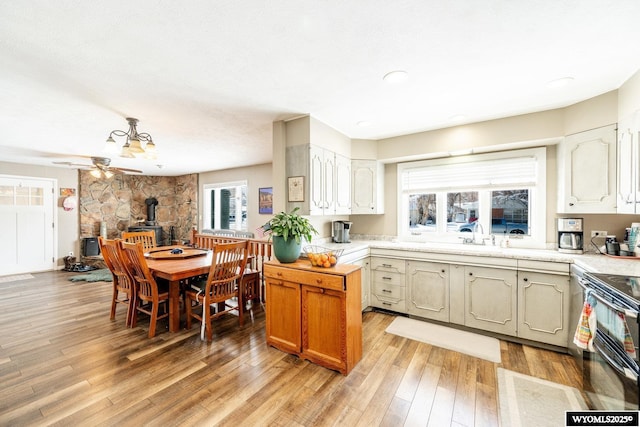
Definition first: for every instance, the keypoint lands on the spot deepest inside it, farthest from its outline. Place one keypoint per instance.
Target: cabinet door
(283, 315)
(490, 299)
(316, 180)
(328, 185)
(342, 185)
(628, 163)
(428, 290)
(366, 192)
(366, 280)
(587, 172)
(324, 326)
(543, 307)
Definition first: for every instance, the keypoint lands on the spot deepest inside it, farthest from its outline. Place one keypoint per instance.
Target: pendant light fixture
(133, 144)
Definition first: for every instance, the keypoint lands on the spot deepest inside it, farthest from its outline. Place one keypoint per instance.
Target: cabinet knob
(443, 270)
(570, 204)
(525, 279)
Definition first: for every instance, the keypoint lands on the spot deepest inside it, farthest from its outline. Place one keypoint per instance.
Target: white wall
(257, 177)
(67, 221)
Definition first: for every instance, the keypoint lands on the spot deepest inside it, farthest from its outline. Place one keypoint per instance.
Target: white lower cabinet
(387, 284)
(543, 307)
(428, 290)
(365, 273)
(526, 299)
(490, 299)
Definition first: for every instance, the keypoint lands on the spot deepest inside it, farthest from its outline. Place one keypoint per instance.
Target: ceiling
(207, 78)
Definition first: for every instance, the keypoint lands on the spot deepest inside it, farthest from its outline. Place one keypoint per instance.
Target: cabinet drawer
(311, 278)
(387, 291)
(387, 264)
(398, 306)
(384, 277)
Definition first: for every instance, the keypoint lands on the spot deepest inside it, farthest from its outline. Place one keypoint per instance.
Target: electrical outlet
(598, 233)
(71, 253)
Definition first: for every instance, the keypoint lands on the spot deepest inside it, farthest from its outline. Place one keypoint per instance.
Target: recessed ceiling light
(396, 76)
(364, 123)
(564, 81)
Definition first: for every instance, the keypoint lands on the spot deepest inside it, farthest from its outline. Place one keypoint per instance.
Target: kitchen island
(314, 312)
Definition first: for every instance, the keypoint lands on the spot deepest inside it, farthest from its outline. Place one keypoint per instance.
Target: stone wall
(120, 202)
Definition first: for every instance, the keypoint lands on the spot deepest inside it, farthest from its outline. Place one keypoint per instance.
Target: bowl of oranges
(322, 257)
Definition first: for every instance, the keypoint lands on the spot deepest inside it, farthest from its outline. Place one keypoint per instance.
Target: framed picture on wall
(265, 200)
(296, 189)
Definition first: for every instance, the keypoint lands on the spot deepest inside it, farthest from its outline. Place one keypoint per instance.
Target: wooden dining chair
(147, 238)
(215, 297)
(123, 287)
(149, 296)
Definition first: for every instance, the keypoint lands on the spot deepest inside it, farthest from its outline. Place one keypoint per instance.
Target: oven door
(610, 377)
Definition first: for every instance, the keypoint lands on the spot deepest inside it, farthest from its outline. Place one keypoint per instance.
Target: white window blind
(518, 171)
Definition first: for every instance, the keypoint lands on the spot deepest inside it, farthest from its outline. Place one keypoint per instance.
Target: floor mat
(102, 275)
(469, 343)
(528, 401)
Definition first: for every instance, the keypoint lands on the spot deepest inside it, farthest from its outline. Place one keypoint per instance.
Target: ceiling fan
(100, 167)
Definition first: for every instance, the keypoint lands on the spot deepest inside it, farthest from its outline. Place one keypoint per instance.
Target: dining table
(175, 268)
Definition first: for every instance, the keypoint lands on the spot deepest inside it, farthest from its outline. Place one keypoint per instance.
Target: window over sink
(499, 193)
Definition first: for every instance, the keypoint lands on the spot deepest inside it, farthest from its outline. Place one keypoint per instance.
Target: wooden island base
(315, 313)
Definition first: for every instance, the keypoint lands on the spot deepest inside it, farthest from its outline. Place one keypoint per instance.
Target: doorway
(27, 209)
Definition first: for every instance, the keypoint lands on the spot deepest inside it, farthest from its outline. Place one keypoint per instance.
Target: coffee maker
(570, 235)
(340, 231)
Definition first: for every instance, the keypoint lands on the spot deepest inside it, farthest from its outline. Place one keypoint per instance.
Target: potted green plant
(286, 231)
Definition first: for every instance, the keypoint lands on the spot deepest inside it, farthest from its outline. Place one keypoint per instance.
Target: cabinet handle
(279, 273)
(319, 281)
(387, 303)
(387, 291)
(386, 278)
(386, 265)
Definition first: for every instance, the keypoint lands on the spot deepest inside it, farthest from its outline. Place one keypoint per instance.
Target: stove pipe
(151, 202)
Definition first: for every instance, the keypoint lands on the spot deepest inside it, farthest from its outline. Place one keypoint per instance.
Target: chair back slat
(136, 264)
(227, 267)
(147, 238)
(109, 251)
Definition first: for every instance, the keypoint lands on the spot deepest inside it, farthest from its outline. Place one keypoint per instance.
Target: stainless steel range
(611, 371)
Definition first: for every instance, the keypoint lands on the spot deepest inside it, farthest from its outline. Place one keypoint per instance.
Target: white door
(26, 224)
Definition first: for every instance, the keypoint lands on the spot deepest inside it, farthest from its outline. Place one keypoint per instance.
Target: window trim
(537, 198)
(206, 202)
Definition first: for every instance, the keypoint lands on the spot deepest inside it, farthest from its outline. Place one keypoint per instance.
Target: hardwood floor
(63, 362)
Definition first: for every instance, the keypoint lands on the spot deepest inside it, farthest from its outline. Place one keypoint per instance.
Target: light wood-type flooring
(63, 362)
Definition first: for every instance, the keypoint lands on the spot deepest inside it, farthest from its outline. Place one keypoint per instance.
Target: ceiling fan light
(96, 173)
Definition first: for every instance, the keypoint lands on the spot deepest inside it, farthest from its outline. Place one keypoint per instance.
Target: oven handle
(621, 369)
(628, 312)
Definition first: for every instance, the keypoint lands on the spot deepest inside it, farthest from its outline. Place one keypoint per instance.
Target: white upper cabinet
(587, 172)
(628, 194)
(367, 194)
(342, 185)
(327, 190)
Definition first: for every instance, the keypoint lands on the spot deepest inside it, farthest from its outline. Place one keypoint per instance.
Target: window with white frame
(225, 206)
(494, 193)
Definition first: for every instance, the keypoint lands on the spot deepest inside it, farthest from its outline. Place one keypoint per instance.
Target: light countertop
(591, 262)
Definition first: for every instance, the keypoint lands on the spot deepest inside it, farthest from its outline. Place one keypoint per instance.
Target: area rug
(102, 275)
(528, 401)
(15, 278)
(452, 339)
